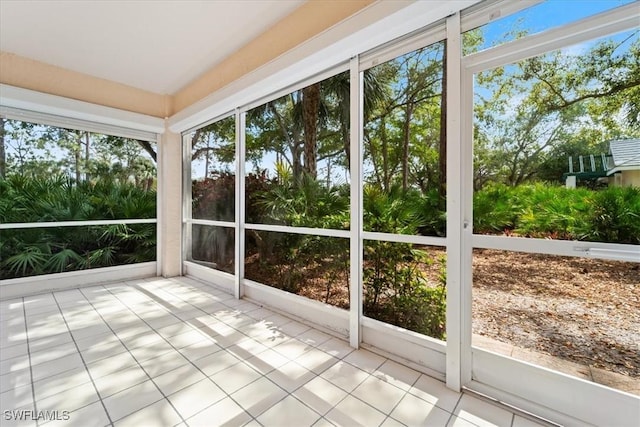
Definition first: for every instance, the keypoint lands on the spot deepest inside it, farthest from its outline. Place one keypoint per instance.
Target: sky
(547, 15)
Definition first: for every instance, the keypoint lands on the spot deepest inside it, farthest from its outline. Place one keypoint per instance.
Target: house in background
(623, 163)
(619, 168)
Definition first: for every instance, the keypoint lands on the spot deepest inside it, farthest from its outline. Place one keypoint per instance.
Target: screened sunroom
(315, 212)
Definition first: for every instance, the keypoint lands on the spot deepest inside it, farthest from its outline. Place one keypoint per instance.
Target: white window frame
(227, 281)
(546, 392)
(51, 110)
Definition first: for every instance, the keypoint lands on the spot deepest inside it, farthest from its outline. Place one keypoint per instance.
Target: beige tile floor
(176, 352)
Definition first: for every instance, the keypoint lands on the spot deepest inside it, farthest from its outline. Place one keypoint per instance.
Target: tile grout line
(136, 360)
(26, 333)
(241, 329)
(262, 375)
(225, 349)
(402, 398)
(322, 416)
(387, 415)
(512, 409)
(49, 376)
(453, 411)
(233, 308)
(146, 291)
(314, 373)
(82, 358)
(199, 329)
(186, 358)
(287, 393)
(318, 375)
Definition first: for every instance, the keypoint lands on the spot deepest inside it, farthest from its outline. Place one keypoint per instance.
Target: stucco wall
(26, 73)
(630, 178)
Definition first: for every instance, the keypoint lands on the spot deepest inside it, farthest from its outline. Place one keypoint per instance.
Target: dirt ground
(577, 309)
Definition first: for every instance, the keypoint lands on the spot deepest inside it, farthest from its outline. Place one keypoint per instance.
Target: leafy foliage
(615, 216)
(545, 211)
(397, 290)
(33, 251)
(306, 202)
(532, 115)
(295, 262)
(214, 197)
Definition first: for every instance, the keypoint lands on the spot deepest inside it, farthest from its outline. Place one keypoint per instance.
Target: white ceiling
(156, 45)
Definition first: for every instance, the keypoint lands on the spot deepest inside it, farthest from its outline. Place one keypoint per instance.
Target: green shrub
(551, 211)
(293, 262)
(402, 212)
(495, 209)
(32, 251)
(615, 216)
(214, 196)
(396, 288)
(397, 291)
(306, 202)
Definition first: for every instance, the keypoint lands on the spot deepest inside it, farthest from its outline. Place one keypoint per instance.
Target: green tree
(303, 128)
(403, 137)
(554, 105)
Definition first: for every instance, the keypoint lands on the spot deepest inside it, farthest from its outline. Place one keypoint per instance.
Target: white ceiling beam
(38, 102)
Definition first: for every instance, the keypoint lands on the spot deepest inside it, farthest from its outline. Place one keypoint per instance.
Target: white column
(187, 215)
(170, 203)
(355, 245)
(241, 118)
(458, 219)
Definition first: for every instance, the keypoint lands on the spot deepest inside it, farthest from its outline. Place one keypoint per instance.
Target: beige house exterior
(624, 163)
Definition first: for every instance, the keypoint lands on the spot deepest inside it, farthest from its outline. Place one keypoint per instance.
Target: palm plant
(32, 251)
(615, 216)
(306, 203)
(395, 285)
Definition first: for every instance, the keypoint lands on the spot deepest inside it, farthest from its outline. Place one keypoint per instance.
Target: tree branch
(146, 145)
(611, 91)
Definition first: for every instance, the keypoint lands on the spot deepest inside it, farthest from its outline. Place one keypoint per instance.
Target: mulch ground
(582, 310)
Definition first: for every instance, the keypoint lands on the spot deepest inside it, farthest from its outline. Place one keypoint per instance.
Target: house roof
(625, 155)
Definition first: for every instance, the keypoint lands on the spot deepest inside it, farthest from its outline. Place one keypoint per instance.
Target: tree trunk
(87, 155)
(77, 160)
(3, 154)
(146, 145)
(77, 155)
(346, 142)
(296, 161)
(310, 108)
(292, 140)
(386, 175)
(442, 152)
(207, 156)
(405, 144)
